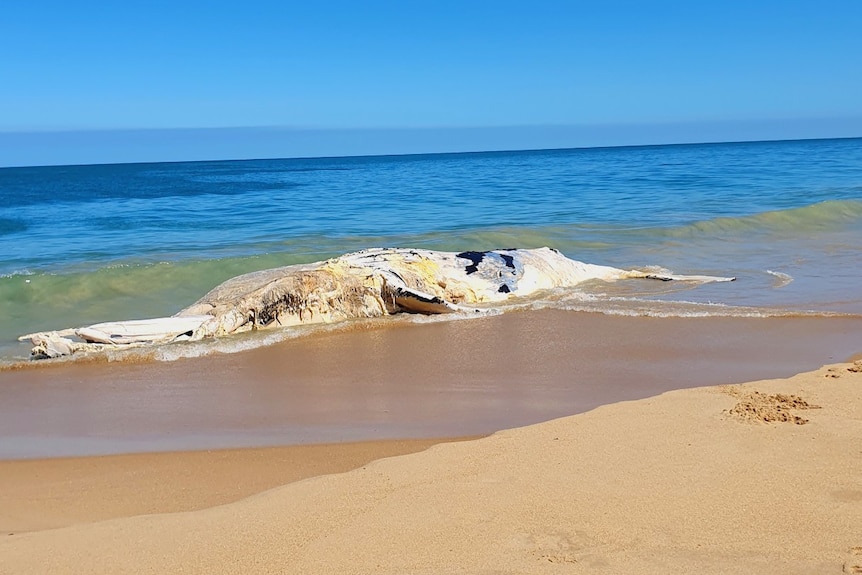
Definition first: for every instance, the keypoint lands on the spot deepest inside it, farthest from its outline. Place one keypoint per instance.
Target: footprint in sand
(853, 564)
(560, 547)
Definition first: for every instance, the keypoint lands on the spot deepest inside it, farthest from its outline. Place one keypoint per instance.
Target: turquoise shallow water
(82, 244)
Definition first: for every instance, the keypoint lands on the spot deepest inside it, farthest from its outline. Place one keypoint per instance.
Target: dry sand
(39, 494)
(754, 478)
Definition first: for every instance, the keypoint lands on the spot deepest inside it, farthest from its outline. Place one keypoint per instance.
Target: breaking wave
(827, 215)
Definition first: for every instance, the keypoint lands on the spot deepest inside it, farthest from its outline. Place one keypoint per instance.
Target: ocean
(85, 244)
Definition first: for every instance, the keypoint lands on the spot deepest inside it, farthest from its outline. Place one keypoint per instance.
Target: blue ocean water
(82, 244)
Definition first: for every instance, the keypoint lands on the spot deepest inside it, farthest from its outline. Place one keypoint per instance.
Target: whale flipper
(415, 301)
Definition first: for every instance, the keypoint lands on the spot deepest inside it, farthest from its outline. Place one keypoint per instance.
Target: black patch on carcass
(475, 257)
(510, 261)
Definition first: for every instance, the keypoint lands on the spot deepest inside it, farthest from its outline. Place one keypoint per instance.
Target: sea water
(84, 244)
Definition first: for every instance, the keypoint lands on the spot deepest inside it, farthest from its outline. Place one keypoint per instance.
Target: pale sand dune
(671, 484)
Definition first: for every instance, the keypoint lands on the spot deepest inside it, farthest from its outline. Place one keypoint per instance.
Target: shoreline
(399, 382)
(726, 485)
(39, 494)
(583, 443)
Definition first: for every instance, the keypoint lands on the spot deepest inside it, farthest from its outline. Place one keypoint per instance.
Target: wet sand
(756, 478)
(404, 381)
(37, 494)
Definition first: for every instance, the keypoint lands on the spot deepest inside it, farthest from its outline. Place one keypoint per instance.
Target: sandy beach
(38, 494)
(334, 453)
(753, 478)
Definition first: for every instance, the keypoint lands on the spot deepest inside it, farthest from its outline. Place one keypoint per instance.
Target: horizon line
(148, 146)
(409, 154)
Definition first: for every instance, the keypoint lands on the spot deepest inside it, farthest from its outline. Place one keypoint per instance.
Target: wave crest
(827, 215)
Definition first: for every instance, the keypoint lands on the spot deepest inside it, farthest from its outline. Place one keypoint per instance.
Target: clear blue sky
(390, 74)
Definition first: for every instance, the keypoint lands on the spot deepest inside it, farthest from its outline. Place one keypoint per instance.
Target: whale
(369, 283)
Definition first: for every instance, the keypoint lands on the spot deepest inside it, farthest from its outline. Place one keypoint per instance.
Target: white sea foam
(781, 279)
(17, 273)
(562, 300)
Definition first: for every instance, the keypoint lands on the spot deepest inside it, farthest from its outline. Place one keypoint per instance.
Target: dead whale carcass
(368, 283)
